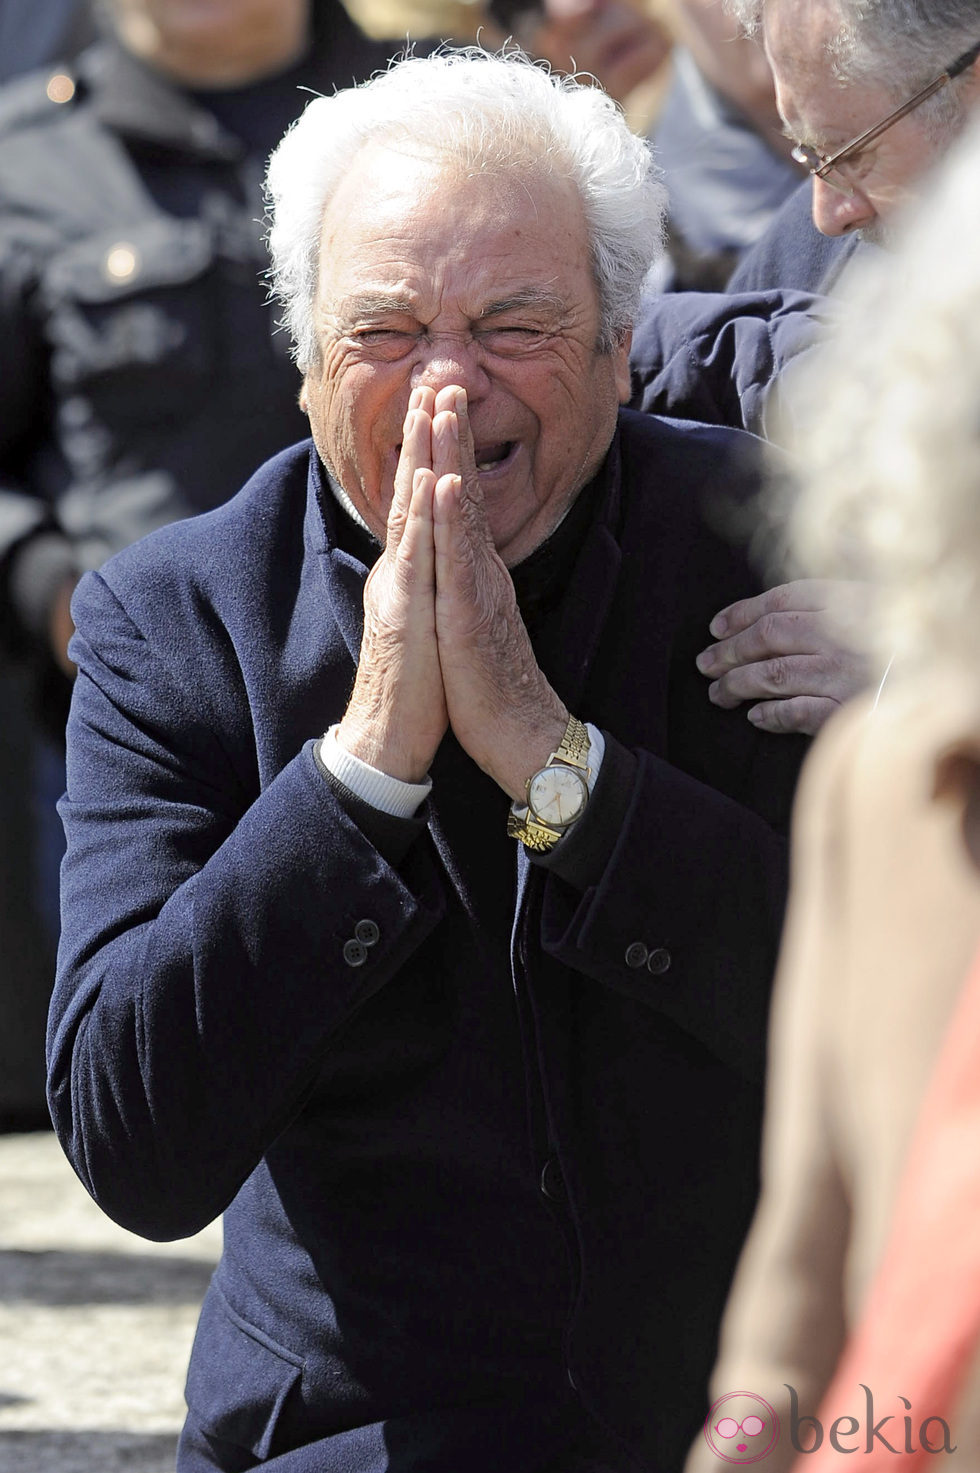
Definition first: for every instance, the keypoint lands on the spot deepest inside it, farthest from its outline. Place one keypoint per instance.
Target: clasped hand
(444, 643)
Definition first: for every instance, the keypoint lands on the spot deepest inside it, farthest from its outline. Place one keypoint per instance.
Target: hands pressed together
(444, 643)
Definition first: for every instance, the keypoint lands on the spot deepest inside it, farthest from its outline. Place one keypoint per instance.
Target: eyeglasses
(829, 169)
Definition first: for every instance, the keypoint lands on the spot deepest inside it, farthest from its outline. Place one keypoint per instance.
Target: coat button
(367, 932)
(636, 954)
(658, 961)
(355, 953)
(552, 1181)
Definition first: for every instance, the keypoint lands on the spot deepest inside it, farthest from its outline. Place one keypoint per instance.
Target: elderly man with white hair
(456, 1011)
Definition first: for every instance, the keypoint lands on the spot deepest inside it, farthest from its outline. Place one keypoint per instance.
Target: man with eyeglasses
(874, 93)
(872, 97)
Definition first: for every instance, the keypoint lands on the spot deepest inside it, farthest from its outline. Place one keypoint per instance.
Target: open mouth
(489, 457)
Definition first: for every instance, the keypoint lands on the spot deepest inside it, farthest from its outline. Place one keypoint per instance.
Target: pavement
(95, 1324)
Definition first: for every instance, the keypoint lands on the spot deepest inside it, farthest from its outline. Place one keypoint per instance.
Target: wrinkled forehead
(408, 173)
(413, 206)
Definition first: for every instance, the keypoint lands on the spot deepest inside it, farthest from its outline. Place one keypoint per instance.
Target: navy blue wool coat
(487, 1184)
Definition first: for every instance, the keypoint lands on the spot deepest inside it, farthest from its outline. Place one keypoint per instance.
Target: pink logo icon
(741, 1428)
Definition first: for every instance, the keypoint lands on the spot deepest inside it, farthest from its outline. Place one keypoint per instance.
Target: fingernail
(755, 716)
(713, 690)
(461, 402)
(415, 399)
(718, 626)
(705, 661)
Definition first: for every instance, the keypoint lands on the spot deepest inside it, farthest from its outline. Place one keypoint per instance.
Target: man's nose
(451, 358)
(838, 214)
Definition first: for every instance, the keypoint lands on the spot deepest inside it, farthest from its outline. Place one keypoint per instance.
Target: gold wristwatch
(556, 794)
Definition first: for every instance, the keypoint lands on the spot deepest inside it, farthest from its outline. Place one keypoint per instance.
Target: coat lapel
(343, 575)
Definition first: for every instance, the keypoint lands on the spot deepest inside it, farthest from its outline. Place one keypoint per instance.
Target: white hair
(890, 457)
(900, 44)
(487, 112)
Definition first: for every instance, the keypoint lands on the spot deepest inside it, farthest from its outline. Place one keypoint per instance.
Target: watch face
(556, 795)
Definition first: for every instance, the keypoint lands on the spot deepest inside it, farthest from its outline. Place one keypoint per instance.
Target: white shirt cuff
(597, 750)
(388, 794)
(401, 799)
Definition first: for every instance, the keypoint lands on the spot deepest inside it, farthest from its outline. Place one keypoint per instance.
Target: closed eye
(386, 343)
(511, 341)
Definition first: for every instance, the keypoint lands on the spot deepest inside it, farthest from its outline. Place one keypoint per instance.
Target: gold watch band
(573, 750)
(574, 745)
(533, 835)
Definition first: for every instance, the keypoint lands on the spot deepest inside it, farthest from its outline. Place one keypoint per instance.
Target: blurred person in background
(621, 43)
(30, 36)
(141, 376)
(844, 69)
(841, 67)
(703, 92)
(884, 913)
(718, 138)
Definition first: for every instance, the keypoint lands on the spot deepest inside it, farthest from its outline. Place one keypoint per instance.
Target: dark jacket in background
(793, 254)
(141, 378)
(32, 34)
(720, 357)
(486, 1175)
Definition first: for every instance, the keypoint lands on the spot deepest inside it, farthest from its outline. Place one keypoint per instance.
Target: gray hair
(487, 112)
(900, 44)
(889, 461)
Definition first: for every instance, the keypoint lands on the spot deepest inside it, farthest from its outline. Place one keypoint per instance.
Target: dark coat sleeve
(202, 967)
(671, 888)
(717, 357)
(685, 913)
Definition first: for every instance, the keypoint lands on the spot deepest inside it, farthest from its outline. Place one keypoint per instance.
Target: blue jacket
(720, 357)
(792, 254)
(475, 1185)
